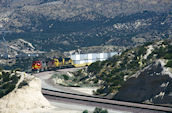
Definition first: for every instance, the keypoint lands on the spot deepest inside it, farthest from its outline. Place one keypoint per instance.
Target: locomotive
(53, 64)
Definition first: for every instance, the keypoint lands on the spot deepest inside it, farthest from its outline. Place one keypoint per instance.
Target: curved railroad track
(103, 102)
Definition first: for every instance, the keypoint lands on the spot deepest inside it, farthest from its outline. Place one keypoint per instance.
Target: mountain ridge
(107, 22)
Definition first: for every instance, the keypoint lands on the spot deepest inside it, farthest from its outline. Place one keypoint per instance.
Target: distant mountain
(71, 24)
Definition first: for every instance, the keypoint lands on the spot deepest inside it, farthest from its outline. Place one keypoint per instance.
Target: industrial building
(87, 59)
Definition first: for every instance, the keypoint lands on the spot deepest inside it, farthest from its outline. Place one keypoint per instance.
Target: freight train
(53, 64)
(76, 60)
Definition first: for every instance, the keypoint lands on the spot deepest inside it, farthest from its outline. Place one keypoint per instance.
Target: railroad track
(108, 102)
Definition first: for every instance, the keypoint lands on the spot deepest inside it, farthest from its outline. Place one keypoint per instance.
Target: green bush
(85, 111)
(141, 51)
(100, 91)
(23, 83)
(6, 88)
(100, 110)
(7, 83)
(10, 88)
(169, 64)
(65, 77)
(95, 67)
(168, 56)
(14, 79)
(5, 76)
(1, 93)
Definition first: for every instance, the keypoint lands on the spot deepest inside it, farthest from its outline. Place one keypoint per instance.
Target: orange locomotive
(52, 64)
(38, 66)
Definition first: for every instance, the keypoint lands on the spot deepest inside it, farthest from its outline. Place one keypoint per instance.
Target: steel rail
(48, 92)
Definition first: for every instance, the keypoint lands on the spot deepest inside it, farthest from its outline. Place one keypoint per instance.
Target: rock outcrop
(153, 84)
(25, 98)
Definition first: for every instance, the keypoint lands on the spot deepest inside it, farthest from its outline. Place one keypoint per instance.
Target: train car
(38, 66)
(60, 63)
(81, 60)
(68, 62)
(52, 64)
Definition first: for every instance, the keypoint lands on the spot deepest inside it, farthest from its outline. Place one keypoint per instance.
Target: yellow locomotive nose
(56, 62)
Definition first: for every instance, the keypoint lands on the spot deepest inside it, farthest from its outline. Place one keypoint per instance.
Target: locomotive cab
(36, 66)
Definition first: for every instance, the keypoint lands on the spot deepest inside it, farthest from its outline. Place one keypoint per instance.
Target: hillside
(129, 71)
(153, 84)
(70, 24)
(18, 47)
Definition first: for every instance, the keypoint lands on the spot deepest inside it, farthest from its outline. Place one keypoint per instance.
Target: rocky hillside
(71, 24)
(153, 84)
(17, 47)
(133, 68)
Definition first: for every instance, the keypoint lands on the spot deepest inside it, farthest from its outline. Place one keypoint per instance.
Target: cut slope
(153, 84)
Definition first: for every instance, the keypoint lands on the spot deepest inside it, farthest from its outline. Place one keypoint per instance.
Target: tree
(7, 83)
(85, 111)
(100, 110)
